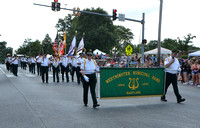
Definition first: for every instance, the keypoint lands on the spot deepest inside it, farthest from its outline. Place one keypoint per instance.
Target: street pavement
(26, 102)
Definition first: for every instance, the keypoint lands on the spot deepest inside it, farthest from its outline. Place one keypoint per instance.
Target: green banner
(129, 82)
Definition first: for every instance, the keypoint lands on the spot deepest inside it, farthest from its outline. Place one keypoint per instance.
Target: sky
(21, 19)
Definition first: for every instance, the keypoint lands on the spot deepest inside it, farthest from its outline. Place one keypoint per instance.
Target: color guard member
(55, 68)
(65, 66)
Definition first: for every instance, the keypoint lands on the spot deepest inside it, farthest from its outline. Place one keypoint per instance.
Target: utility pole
(142, 50)
(159, 33)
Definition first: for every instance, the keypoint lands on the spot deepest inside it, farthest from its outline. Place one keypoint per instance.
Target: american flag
(55, 44)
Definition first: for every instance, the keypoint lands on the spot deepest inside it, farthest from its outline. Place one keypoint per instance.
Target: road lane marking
(2, 71)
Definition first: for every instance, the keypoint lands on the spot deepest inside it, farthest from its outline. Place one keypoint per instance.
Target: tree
(99, 31)
(47, 46)
(170, 44)
(151, 45)
(184, 44)
(4, 51)
(36, 48)
(30, 48)
(123, 38)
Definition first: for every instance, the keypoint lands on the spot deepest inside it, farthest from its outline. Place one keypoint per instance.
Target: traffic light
(58, 6)
(114, 14)
(144, 41)
(53, 6)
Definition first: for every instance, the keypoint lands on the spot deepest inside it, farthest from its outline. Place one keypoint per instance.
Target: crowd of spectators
(189, 71)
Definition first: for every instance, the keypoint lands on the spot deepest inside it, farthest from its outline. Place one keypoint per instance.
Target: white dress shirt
(173, 68)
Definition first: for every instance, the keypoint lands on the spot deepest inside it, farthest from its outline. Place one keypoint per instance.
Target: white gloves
(98, 69)
(86, 78)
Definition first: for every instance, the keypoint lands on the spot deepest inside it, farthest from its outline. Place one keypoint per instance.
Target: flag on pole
(72, 47)
(80, 46)
(62, 45)
(55, 44)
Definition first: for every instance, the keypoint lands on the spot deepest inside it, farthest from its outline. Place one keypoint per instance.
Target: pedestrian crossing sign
(128, 50)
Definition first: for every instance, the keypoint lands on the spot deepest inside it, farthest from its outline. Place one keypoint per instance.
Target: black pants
(73, 69)
(172, 78)
(11, 67)
(21, 65)
(92, 84)
(38, 69)
(15, 69)
(56, 73)
(8, 66)
(78, 74)
(65, 70)
(33, 68)
(24, 65)
(30, 68)
(45, 70)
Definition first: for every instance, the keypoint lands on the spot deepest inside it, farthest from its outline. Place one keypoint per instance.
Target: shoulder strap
(84, 63)
(166, 58)
(94, 62)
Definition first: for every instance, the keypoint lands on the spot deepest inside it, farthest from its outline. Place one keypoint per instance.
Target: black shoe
(181, 100)
(163, 99)
(57, 81)
(47, 82)
(96, 105)
(85, 105)
(67, 81)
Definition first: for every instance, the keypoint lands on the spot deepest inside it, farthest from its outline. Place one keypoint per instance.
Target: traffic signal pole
(94, 13)
(100, 14)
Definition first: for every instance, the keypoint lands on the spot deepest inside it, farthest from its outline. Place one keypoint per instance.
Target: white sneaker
(198, 86)
(185, 83)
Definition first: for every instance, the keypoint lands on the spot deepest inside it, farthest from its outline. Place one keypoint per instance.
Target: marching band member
(7, 61)
(15, 62)
(29, 64)
(88, 68)
(171, 67)
(33, 61)
(39, 60)
(74, 68)
(45, 68)
(80, 60)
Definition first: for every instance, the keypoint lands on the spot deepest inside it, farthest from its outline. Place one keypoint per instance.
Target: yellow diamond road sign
(128, 50)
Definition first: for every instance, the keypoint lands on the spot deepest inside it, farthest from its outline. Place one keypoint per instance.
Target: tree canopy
(4, 51)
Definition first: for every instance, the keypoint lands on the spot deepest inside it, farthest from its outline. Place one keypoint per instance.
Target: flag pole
(83, 40)
(57, 45)
(75, 50)
(65, 42)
